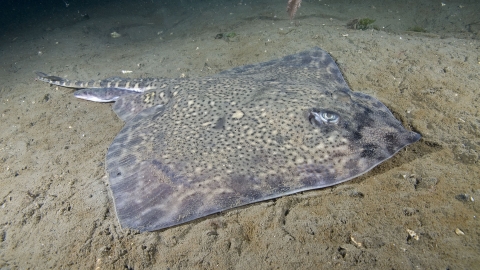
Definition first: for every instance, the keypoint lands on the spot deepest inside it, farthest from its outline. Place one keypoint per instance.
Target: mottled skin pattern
(193, 147)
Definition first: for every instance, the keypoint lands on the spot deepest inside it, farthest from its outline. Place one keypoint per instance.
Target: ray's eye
(329, 117)
(323, 117)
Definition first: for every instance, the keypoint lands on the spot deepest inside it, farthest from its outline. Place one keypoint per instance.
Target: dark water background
(456, 18)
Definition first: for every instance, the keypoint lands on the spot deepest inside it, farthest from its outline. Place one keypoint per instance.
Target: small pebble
(413, 234)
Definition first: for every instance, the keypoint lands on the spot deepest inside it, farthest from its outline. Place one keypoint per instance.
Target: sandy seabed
(56, 210)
